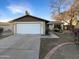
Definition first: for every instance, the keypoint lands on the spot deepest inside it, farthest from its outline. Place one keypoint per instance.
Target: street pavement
(67, 52)
(20, 47)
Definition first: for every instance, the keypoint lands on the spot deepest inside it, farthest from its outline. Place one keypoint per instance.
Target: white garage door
(28, 28)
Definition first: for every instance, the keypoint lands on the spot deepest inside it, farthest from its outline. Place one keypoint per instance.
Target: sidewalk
(51, 35)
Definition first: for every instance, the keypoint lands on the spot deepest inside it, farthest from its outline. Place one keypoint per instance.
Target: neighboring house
(29, 24)
(55, 24)
(75, 24)
(6, 26)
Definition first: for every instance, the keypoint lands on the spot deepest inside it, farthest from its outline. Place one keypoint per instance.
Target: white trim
(28, 22)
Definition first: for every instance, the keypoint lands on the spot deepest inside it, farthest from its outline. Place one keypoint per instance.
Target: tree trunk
(71, 25)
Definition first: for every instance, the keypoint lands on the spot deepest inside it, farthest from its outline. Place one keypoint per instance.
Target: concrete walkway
(52, 35)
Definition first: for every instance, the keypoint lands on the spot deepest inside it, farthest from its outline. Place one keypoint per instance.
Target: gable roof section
(28, 18)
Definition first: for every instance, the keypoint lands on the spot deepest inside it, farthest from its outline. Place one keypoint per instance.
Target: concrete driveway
(20, 47)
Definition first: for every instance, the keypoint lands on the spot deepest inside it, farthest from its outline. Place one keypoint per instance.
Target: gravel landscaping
(5, 34)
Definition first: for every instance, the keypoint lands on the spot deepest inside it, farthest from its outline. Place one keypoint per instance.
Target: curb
(50, 53)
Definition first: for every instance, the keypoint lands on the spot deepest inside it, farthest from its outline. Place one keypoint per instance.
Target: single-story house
(29, 24)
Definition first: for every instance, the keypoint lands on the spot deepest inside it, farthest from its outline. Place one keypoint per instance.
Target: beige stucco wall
(51, 27)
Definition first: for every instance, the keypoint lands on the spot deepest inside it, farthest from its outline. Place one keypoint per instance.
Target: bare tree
(64, 17)
(74, 12)
(59, 6)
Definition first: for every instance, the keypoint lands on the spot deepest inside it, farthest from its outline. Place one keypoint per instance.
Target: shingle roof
(27, 19)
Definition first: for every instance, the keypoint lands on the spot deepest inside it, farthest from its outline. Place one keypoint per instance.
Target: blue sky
(12, 9)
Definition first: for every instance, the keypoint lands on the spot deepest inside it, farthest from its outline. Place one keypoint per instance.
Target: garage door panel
(28, 28)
